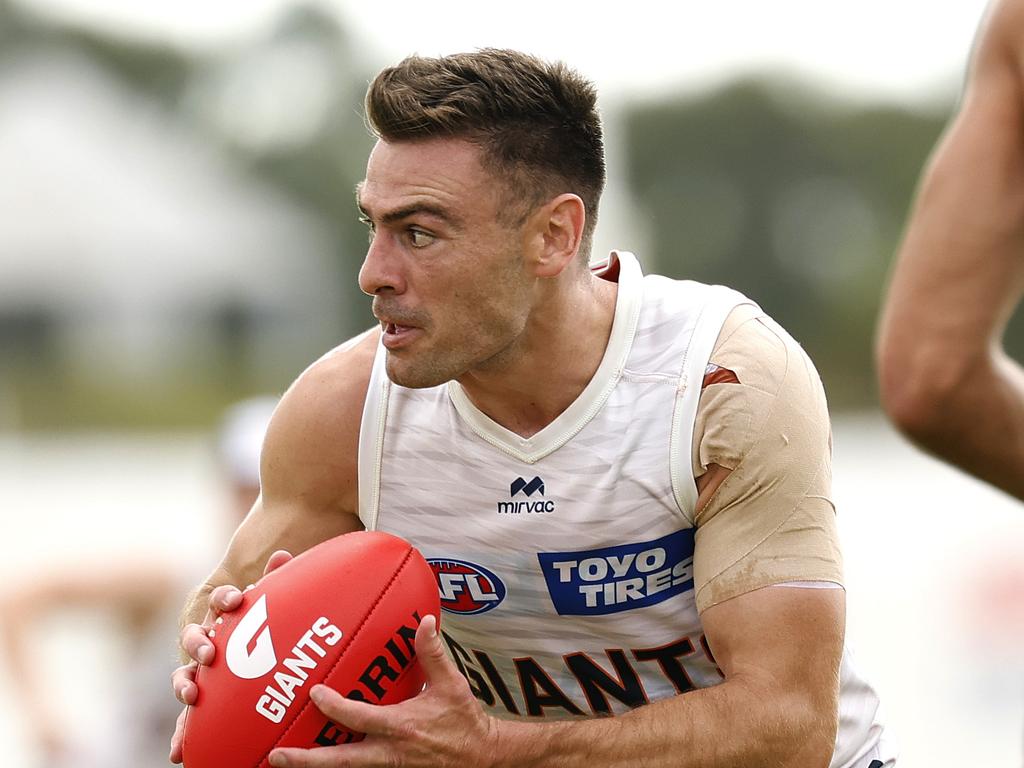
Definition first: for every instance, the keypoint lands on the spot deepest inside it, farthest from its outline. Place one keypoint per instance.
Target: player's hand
(195, 641)
(443, 727)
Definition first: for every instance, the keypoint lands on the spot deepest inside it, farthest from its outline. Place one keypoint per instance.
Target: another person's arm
(945, 380)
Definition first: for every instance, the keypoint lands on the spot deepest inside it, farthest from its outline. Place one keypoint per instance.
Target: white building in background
(126, 241)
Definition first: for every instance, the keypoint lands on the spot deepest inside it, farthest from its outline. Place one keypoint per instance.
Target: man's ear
(558, 227)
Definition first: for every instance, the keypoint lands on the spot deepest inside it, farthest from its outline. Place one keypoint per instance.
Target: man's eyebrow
(406, 211)
(390, 217)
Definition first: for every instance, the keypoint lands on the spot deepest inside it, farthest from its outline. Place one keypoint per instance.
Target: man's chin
(412, 376)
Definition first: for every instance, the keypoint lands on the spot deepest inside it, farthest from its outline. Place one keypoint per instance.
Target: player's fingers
(436, 665)
(362, 753)
(176, 740)
(279, 558)
(196, 643)
(350, 713)
(183, 681)
(324, 757)
(225, 598)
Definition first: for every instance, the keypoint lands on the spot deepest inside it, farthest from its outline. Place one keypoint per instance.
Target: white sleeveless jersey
(565, 560)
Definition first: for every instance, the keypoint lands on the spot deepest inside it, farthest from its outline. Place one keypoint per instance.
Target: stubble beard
(436, 367)
(493, 334)
(421, 375)
(493, 339)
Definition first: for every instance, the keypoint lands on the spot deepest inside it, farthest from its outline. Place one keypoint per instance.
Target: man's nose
(381, 270)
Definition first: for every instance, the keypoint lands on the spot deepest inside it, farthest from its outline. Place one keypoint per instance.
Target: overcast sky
(902, 49)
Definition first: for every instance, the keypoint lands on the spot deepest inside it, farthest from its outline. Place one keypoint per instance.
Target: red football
(343, 613)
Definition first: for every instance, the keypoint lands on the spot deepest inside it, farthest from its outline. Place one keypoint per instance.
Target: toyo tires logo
(466, 588)
(596, 582)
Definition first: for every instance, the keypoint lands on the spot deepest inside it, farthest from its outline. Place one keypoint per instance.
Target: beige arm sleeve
(772, 520)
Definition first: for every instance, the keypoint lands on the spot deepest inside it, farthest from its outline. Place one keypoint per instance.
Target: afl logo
(466, 588)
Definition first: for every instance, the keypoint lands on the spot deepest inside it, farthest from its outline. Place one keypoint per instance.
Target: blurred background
(178, 233)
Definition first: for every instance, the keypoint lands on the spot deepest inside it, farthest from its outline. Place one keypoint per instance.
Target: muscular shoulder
(311, 449)
(761, 382)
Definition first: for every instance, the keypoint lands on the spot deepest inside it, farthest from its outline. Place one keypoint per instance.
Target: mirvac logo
(527, 506)
(594, 582)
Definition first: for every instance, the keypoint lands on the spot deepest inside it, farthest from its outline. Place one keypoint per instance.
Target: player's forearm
(248, 552)
(980, 424)
(731, 725)
(196, 604)
(966, 407)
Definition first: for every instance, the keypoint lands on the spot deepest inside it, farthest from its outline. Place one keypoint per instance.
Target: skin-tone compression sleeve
(763, 425)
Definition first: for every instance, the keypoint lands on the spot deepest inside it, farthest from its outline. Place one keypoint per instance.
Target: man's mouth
(395, 336)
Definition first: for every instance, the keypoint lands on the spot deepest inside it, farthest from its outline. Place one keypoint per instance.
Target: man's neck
(551, 365)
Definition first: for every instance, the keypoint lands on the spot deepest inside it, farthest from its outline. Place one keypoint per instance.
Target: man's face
(447, 277)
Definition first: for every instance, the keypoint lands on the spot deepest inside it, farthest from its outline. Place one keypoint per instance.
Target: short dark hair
(536, 122)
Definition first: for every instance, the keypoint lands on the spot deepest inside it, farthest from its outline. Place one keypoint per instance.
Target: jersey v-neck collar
(594, 395)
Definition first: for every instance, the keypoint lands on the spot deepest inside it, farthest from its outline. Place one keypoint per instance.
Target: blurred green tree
(791, 195)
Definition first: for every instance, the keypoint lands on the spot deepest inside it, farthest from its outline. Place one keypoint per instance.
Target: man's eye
(419, 238)
(371, 230)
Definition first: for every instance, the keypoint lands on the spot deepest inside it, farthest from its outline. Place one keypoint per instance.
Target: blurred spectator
(143, 597)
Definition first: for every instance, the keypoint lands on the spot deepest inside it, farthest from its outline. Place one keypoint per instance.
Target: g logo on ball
(242, 662)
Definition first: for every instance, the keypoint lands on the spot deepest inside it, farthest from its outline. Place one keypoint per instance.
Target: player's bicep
(784, 644)
(308, 465)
